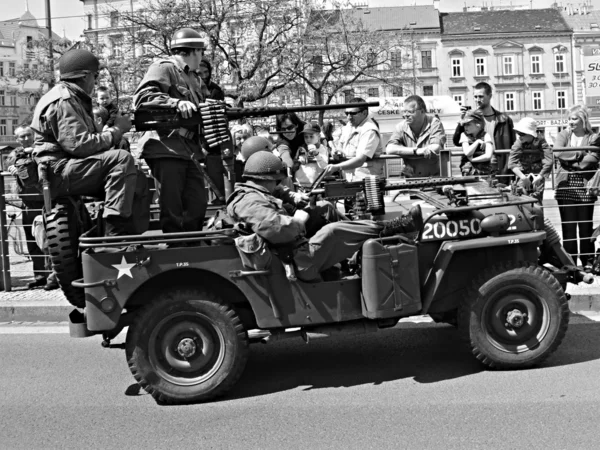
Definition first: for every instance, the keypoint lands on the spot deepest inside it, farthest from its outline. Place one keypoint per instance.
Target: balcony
(427, 72)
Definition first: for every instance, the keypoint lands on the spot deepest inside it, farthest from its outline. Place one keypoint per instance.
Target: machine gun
(372, 188)
(212, 120)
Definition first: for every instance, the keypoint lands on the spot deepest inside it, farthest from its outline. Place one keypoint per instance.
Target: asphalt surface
(412, 387)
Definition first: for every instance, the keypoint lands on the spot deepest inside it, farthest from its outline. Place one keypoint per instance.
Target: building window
(2, 98)
(459, 98)
(1, 68)
(15, 125)
(35, 67)
(396, 60)
(397, 91)
(561, 99)
(426, 62)
(117, 48)
(317, 63)
(427, 91)
(372, 60)
(12, 99)
(89, 20)
(26, 66)
(507, 65)
(456, 64)
(480, 67)
(2, 127)
(509, 101)
(114, 19)
(559, 63)
(348, 95)
(537, 100)
(536, 64)
(373, 92)
(11, 69)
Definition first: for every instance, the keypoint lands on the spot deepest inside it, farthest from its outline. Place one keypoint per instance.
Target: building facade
(525, 55)
(19, 56)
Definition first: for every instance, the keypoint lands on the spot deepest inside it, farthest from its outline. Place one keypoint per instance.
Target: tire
(64, 225)
(500, 296)
(193, 321)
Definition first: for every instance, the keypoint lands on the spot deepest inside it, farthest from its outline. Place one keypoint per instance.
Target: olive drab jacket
(264, 214)
(65, 128)
(166, 83)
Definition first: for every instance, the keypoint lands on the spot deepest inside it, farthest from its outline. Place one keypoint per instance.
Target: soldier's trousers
(332, 244)
(109, 175)
(182, 195)
(38, 258)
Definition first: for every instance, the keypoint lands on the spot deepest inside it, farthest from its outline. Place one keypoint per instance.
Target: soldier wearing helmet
(174, 82)
(80, 159)
(256, 204)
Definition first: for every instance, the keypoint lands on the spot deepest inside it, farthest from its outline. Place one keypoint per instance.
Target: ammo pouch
(254, 251)
(27, 171)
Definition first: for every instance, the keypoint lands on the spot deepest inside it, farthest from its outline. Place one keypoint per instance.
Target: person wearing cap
(478, 147)
(360, 143)
(255, 204)
(418, 139)
(174, 82)
(313, 158)
(80, 158)
(530, 159)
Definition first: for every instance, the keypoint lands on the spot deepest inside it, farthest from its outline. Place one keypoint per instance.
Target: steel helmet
(264, 166)
(255, 144)
(77, 64)
(187, 38)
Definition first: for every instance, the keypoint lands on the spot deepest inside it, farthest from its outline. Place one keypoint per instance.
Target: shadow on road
(581, 344)
(427, 355)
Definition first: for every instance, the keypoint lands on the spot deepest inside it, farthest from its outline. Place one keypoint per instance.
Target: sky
(67, 15)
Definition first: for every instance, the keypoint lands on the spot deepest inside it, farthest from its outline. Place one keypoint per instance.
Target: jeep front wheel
(514, 317)
(187, 346)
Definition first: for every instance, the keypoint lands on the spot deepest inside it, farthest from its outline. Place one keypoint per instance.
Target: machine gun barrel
(146, 119)
(346, 189)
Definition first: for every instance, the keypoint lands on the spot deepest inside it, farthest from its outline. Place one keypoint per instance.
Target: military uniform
(266, 216)
(79, 158)
(182, 192)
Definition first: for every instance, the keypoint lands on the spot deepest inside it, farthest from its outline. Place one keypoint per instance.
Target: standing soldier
(173, 82)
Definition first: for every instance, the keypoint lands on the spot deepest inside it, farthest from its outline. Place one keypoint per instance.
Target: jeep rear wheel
(187, 346)
(514, 317)
(64, 225)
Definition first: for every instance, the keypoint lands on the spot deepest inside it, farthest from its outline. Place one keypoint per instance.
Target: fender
(448, 251)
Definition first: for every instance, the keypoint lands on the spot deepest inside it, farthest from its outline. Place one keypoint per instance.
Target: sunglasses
(290, 128)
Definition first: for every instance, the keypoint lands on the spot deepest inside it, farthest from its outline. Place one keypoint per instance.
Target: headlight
(496, 223)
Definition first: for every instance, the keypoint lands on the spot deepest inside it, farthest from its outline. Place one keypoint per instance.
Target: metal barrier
(12, 238)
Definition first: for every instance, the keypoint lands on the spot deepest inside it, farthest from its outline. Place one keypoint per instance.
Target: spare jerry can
(390, 280)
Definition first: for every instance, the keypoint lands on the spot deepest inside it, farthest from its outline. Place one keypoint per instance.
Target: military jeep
(485, 261)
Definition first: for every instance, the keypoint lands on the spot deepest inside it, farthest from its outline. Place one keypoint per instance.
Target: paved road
(410, 387)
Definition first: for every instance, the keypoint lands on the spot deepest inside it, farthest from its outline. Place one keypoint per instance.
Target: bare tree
(250, 42)
(340, 51)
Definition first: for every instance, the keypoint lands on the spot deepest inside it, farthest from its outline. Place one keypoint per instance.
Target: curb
(28, 311)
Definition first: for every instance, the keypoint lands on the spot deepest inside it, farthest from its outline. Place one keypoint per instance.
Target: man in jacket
(79, 158)
(20, 164)
(174, 83)
(254, 204)
(497, 124)
(418, 139)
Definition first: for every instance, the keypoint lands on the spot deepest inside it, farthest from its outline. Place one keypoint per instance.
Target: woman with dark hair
(575, 202)
(289, 140)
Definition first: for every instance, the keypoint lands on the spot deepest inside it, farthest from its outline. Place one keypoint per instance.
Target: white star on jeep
(123, 268)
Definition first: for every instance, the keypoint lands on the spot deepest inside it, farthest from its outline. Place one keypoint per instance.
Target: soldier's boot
(407, 223)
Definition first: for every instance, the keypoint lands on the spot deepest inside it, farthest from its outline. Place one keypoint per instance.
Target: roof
(504, 21)
(583, 22)
(385, 18)
(10, 27)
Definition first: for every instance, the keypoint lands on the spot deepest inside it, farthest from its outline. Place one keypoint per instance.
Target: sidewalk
(38, 305)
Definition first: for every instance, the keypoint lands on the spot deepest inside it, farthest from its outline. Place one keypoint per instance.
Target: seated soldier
(80, 160)
(254, 203)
